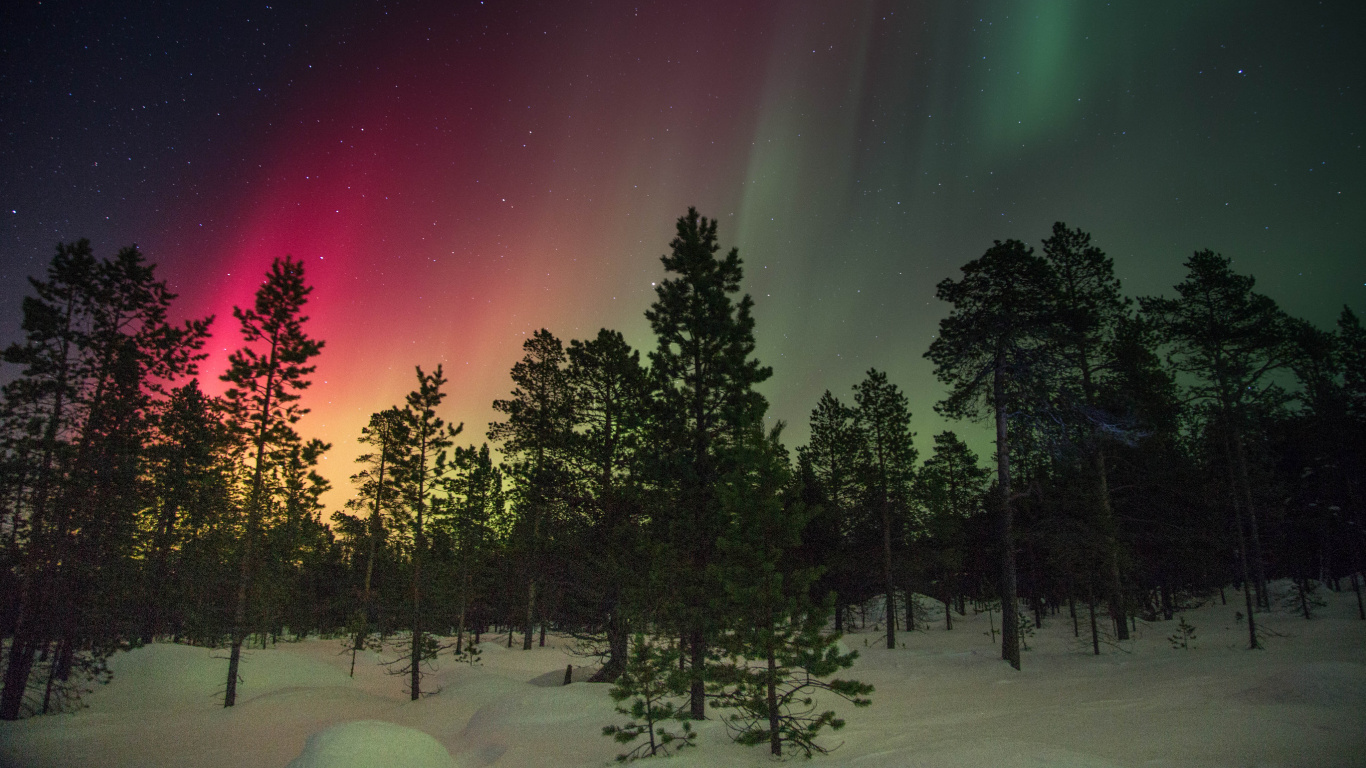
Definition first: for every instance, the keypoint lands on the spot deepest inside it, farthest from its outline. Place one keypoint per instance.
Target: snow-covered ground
(943, 700)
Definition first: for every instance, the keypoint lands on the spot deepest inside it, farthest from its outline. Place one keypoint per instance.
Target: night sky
(457, 175)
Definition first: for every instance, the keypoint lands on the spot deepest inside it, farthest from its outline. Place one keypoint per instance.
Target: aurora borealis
(457, 175)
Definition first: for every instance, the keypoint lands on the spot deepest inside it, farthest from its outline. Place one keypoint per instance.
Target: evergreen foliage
(650, 679)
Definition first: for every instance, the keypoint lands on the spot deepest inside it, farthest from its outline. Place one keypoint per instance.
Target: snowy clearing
(943, 700)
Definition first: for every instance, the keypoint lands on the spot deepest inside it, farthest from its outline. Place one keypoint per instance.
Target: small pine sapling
(650, 680)
(1303, 598)
(468, 653)
(777, 692)
(1184, 638)
(1026, 631)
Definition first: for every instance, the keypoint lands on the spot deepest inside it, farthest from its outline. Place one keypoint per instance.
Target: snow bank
(372, 744)
(944, 699)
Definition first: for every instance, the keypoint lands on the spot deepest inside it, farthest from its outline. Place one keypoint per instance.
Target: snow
(372, 744)
(943, 699)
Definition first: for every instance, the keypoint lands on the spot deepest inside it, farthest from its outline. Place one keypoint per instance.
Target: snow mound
(372, 744)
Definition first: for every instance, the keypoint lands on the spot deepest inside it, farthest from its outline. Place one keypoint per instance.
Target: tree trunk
(1113, 587)
(529, 626)
(775, 742)
(697, 690)
(1010, 622)
(1095, 632)
(415, 673)
(887, 571)
(1258, 569)
(1242, 548)
(948, 614)
(1356, 587)
(239, 614)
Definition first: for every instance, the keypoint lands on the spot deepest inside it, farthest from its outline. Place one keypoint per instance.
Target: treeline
(1146, 456)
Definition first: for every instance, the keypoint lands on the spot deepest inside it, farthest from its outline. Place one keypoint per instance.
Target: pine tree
(97, 353)
(188, 465)
(991, 352)
(1088, 310)
(832, 459)
(421, 465)
(886, 467)
(474, 502)
(1230, 339)
(950, 487)
(777, 649)
(539, 424)
(650, 679)
(705, 376)
(266, 377)
(377, 493)
(609, 390)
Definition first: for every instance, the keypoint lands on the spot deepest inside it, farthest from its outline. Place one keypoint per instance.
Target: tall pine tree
(705, 376)
(991, 352)
(266, 377)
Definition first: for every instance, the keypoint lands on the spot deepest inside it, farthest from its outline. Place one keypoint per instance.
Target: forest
(1149, 452)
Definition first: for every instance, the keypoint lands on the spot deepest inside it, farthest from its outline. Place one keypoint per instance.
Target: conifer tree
(97, 353)
(377, 493)
(650, 679)
(609, 390)
(886, 467)
(1089, 308)
(189, 471)
(778, 651)
(266, 377)
(1230, 339)
(705, 400)
(421, 465)
(540, 416)
(474, 503)
(950, 487)
(991, 352)
(832, 459)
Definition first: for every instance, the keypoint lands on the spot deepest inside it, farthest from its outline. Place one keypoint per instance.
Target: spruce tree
(266, 377)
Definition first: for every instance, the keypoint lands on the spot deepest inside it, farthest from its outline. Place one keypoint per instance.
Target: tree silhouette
(266, 377)
(705, 377)
(991, 352)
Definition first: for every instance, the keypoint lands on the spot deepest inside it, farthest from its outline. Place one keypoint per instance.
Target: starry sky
(456, 175)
